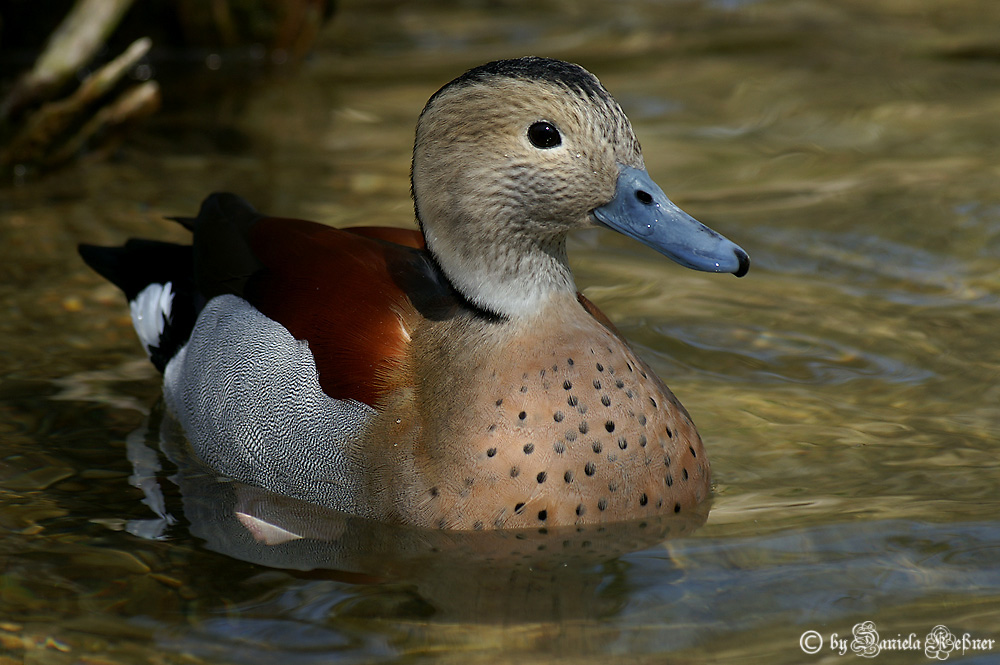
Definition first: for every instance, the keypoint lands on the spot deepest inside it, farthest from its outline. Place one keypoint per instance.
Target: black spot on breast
(558, 416)
(541, 477)
(600, 367)
(434, 492)
(693, 453)
(518, 508)
(619, 384)
(597, 384)
(602, 503)
(669, 480)
(528, 448)
(622, 443)
(583, 427)
(653, 402)
(514, 472)
(605, 400)
(684, 474)
(559, 447)
(612, 487)
(500, 401)
(643, 500)
(543, 515)
(677, 507)
(490, 452)
(568, 476)
(580, 509)
(590, 468)
(569, 361)
(597, 447)
(572, 401)
(567, 385)
(642, 440)
(570, 436)
(522, 415)
(610, 426)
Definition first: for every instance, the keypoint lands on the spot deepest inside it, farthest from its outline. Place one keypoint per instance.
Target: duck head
(512, 156)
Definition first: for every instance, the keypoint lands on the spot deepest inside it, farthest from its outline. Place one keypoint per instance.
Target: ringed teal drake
(451, 377)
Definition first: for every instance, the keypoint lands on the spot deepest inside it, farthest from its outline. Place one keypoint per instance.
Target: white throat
(510, 279)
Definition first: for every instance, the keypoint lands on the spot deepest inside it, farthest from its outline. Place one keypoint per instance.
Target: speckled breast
(577, 433)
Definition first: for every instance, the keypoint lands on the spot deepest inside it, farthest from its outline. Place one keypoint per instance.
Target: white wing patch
(150, 313)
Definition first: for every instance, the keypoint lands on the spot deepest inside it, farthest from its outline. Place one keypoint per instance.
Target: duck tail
(167, 285)
(157, 279)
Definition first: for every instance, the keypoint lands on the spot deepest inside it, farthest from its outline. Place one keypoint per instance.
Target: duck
(450, 376)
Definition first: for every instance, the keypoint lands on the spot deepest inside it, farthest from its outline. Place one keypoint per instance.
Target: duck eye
(544, 135)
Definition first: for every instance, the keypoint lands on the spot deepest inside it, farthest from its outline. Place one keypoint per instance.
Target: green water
(846, 389)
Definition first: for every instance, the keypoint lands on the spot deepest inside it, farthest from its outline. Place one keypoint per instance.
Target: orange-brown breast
(559, 427)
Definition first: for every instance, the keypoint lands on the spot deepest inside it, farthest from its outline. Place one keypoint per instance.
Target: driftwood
(41, 132)
(45, 122)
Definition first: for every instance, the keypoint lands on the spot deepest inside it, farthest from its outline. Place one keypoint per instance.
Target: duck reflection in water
(496, 576)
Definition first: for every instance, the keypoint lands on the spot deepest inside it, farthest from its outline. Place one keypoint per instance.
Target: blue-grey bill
(642, 211)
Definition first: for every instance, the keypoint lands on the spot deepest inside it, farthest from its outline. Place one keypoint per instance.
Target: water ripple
(863, 264)
(761, 355)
